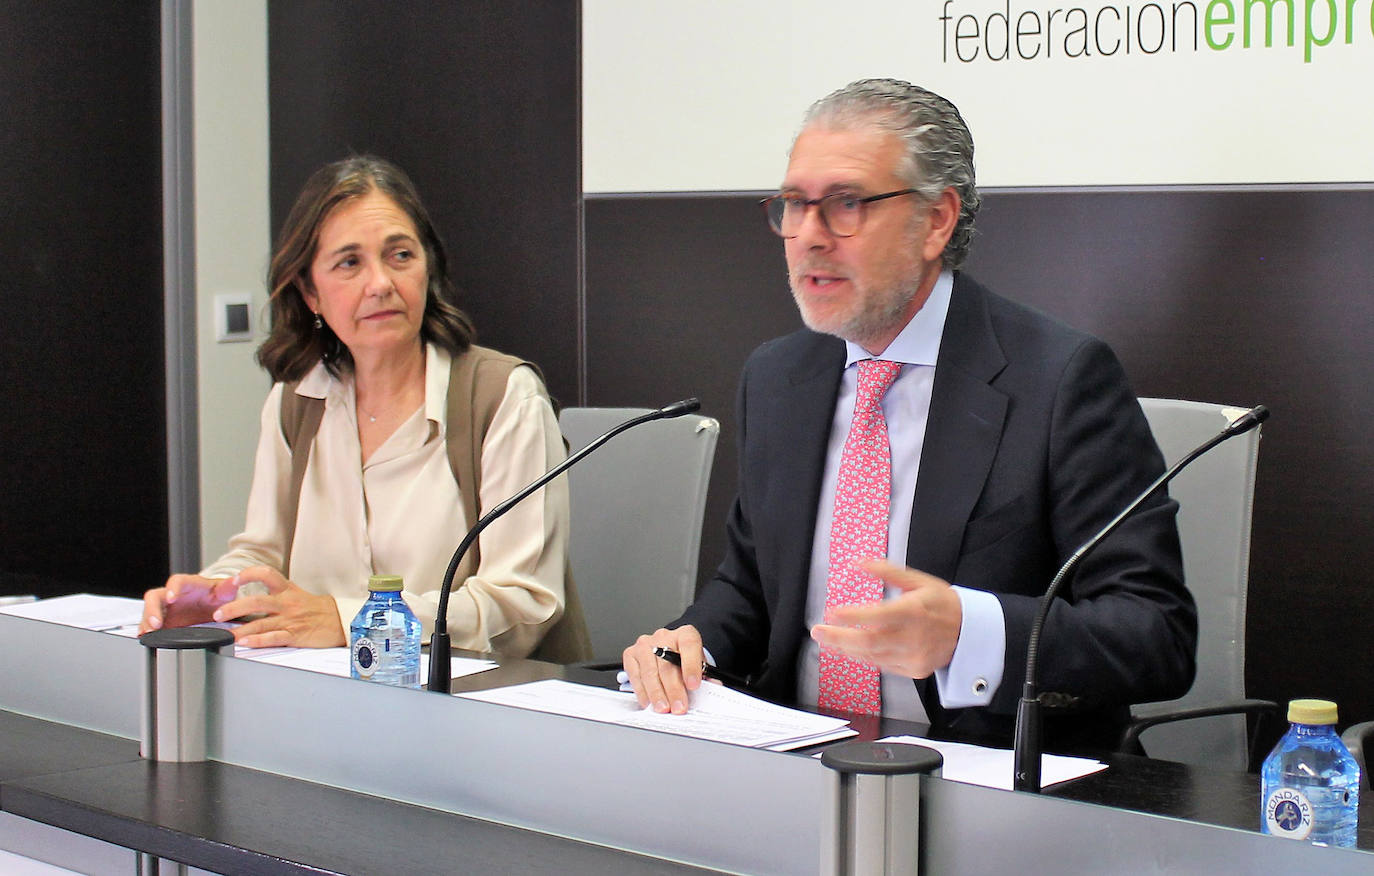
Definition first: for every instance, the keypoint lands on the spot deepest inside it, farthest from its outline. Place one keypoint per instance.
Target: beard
(873, 309)
(883, 287)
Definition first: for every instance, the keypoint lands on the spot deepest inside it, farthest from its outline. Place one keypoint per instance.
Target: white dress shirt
(976, 669)
(399, 512)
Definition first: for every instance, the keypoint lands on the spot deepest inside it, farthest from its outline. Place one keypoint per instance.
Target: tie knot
(875, 378)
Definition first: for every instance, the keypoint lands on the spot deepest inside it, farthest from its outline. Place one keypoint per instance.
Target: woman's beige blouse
(400, 513)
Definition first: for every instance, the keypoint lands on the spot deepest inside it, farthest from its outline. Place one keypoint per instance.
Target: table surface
(233, 819)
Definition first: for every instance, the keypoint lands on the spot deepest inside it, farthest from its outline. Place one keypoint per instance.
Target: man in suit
(919, 461)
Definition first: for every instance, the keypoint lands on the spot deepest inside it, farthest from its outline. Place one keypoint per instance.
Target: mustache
(815, 266)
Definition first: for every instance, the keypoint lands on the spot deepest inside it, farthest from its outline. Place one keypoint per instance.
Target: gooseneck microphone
(440, 667)
(1027, 746)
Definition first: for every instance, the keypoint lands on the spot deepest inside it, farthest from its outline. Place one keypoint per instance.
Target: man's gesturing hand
(913, 634)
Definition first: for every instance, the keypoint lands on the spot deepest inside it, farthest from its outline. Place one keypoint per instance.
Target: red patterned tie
(859, 532)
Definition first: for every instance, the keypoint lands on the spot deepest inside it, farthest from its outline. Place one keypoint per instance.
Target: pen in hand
(707, 669)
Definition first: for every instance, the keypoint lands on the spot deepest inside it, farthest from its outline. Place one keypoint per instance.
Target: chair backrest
(1215, 496)
(637, 506)
(1357, 738)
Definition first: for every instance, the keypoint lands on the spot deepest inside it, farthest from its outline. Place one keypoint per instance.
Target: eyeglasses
(842, 213)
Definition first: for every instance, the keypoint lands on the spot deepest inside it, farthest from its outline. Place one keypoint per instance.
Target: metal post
(873, 826)
(174, 696)
(152, 865)
(179, 287)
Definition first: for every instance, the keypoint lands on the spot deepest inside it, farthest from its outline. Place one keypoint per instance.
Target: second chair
(1215, 496)
(637, 507)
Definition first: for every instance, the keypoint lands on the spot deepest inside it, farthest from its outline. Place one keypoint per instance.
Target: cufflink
(980, 686)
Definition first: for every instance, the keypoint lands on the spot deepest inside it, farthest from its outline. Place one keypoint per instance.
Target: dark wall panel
(1240, 297)
(83, 458)
(478, 102)
(1236, 297)
(679, 291)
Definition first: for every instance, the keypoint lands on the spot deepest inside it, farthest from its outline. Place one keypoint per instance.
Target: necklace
(389, 405)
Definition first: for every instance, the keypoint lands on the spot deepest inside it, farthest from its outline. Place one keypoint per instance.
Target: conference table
(312, 773)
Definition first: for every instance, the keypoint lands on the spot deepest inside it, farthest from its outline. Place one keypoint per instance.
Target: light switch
(233, 317)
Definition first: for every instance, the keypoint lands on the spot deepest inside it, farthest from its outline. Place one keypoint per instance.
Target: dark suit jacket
(1034, 442)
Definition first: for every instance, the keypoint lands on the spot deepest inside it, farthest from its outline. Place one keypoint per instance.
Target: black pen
(707, 669)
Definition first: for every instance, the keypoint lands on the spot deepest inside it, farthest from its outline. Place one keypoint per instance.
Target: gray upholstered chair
(1357, 738)
(637, 506)
(1215, 494)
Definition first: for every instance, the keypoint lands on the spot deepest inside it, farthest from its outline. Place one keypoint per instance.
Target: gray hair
(939, 147)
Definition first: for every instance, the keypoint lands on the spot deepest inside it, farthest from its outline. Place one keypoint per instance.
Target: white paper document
(121, 615)
(335, 661)
(992, 767)
(85, 610)
(716, 712)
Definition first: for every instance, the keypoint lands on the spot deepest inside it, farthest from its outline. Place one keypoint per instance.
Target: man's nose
(813, 233)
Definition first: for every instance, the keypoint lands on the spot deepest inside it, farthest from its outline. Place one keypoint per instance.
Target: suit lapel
(962, 432)
(806, 405)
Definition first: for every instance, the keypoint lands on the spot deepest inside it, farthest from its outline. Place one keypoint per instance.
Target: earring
(319, 323)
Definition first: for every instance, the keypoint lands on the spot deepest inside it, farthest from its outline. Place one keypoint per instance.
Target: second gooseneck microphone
(1027, 745)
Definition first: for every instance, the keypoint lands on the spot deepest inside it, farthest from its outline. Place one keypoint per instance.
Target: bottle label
(366, 656)
(1288, 813)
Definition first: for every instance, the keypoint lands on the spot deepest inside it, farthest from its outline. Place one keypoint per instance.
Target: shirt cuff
(973, 675)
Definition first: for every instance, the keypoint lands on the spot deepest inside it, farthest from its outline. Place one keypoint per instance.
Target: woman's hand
(289, 614)
(186, 600)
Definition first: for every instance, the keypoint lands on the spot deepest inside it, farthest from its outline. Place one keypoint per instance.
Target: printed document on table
(121, 615)
(992, 767)
(716, 712)
(83, 610)
(335, 661)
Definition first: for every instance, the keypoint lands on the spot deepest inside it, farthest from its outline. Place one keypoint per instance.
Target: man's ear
(944, 216)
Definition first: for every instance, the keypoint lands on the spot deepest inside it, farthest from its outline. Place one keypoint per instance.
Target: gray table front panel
(688, 800)
(698, 802)
(75, 676)
(966, 829)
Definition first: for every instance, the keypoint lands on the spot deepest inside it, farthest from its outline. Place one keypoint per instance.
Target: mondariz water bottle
(1310, 784)
(384, 638)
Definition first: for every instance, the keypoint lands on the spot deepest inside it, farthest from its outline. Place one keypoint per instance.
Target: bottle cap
(391, 584)
(1311, 712)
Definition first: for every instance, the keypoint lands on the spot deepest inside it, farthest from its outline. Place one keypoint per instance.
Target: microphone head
(1247, 421)
(678, 408)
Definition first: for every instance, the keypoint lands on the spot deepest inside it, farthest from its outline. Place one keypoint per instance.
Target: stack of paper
(715, 712)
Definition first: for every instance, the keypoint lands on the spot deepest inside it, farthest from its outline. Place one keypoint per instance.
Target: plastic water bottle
(384, 638)
(1310, 785)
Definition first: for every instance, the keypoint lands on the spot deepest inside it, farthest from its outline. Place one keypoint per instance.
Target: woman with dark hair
(385, 433)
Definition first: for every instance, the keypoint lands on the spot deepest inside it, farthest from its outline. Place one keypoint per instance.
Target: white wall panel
(706, 96)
